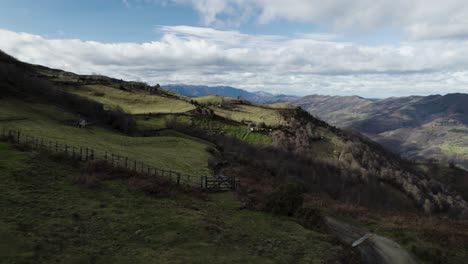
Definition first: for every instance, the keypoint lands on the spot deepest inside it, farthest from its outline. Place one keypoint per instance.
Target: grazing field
(239, 131)
(134, 102)
(252, 113)
(453, 149)
(170, 151)
(46, 218)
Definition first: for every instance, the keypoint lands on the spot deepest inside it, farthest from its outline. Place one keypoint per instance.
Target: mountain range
(416, 127)
(202, 90)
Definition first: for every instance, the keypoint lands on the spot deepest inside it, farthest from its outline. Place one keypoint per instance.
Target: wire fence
(83, 153)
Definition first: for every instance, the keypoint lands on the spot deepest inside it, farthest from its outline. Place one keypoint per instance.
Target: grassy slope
(253, 113)
(45, 218)
(134, 103)
(233, 129)
(173, 152)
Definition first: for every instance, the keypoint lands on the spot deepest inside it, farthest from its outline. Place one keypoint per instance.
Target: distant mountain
(416, 127)
(201, 90)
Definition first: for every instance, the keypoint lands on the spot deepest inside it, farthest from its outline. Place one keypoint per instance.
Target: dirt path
(376, 249)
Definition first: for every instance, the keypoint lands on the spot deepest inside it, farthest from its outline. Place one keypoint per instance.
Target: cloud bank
(419, 19)
(306, 64)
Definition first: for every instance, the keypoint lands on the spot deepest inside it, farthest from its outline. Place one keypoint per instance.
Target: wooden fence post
(178, 178)
(92, 154)
(134, 166)
(87, 150)
(81, 153)
(105, 155)
(66, 149)
(73, 150)
(18, 136)
(126, 162)
(112, 159)
(56, 146)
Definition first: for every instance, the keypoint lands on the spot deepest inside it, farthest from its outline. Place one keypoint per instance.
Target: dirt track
(376, 249)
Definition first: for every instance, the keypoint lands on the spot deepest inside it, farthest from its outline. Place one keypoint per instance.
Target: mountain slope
(416, 127)
(317, 154)
(280, 153)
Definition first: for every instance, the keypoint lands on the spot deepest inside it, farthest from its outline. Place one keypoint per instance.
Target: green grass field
(134, 102)
(233, 129)
(239, 113)
(167, 151)
(46, 218)
(453, 149)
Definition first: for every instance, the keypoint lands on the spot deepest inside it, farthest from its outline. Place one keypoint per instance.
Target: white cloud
(418, 18)
(304, 65)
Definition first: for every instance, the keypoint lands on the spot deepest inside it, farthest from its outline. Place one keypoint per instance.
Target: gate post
(203, 183)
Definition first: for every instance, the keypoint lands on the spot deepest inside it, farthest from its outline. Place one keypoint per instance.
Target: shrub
(286, 200)
(310, 218)
(89, 180)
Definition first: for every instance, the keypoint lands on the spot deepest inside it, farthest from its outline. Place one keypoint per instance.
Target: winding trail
(375, 249)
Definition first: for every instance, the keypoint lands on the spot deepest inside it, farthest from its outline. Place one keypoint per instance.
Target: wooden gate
(218, 184)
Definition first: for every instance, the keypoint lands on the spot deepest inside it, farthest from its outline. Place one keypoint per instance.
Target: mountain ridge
(228, 91)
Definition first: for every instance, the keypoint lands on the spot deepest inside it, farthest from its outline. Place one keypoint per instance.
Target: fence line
(88, 154)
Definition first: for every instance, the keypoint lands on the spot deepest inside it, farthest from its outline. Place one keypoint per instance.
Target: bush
(286, 200)
(310, 218)
(89, 180)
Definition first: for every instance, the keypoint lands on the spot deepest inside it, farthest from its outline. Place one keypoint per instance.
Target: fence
(88, 154)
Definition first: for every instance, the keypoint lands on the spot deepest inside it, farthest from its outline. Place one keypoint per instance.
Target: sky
(370, 48)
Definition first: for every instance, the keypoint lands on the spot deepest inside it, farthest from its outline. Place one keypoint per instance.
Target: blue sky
(373, 48)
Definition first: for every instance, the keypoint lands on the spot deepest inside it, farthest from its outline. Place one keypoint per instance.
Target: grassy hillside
(46, 218)
(268, 147)
(172, 151)
(132, 102)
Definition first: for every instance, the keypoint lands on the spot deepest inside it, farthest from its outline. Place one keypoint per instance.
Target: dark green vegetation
(417, 127)
(268, 147)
